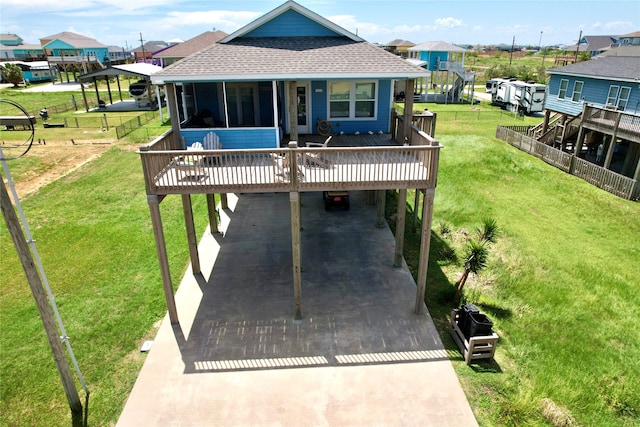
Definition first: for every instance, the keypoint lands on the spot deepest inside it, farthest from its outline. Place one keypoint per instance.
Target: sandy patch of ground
(59, 158)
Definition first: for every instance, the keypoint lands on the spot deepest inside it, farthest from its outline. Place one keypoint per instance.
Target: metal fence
(135, 123)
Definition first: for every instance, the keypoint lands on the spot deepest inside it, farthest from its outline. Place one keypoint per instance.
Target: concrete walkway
(359, 357)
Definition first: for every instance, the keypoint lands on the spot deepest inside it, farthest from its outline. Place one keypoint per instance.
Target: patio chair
(283, 168)
(211, 141)
(191, 165)
(316, 159)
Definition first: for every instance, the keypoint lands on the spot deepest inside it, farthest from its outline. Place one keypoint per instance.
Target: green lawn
(560, 285)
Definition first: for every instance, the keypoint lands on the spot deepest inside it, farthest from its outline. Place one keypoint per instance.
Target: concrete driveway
(359, 357)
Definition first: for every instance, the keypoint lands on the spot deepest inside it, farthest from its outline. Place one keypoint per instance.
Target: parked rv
(138, 91)
(515, 95)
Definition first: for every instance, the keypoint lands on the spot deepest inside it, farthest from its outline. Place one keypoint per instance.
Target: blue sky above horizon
(120, 22)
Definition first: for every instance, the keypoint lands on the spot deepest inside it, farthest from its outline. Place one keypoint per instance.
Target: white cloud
(223, 19)
(449, 22)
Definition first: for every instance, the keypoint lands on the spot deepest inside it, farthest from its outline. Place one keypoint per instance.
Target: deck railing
(171, 170)
(625, 125)
(606, 179)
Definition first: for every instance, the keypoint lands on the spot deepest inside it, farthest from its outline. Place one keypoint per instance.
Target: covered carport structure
(141, 70)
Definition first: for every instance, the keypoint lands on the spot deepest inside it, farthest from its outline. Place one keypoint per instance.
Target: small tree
(477, 253)
(13, 74)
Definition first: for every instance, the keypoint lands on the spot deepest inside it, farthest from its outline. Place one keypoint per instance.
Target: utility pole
(142, 47)
(513, 43)
(46, 315)
(578, 45)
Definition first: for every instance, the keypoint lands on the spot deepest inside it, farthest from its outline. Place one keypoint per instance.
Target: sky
(124, 22)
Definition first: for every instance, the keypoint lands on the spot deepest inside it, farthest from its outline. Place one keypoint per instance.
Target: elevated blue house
(249, 99)
(446, 64)
(70, 49)
(283, 74)
(597, 106)
(603, 81)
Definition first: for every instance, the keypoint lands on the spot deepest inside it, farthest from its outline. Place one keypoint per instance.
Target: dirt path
(56, 159)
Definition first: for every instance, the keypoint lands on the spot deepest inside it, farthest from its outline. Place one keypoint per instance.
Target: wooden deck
(351, 162)
(612, 122)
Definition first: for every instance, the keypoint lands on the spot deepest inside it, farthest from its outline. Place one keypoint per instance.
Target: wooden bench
(475, 348)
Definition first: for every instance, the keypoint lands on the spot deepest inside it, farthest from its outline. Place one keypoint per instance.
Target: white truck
(518, 96)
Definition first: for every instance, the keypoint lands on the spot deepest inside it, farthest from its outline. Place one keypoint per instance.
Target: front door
(304, 108)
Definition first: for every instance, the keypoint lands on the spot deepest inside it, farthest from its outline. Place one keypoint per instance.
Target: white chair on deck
(191, 165)
(212, 142)
(314, 159)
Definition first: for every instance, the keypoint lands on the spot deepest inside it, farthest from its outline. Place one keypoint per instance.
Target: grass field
(560, 284)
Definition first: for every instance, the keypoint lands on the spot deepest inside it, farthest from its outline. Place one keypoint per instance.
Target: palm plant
(477, 253)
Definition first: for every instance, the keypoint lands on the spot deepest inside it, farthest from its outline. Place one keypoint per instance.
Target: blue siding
(432, 58)
(238, 138)
(291, 24)
(319, 100)
(594, 91)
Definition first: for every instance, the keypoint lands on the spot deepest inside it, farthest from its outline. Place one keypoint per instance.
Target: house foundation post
(400, 223)
(545, 122)
(380, 204)
(191, 233)
(294, 200)
(612, 145)
(224, 202)
(408, 111)
(416, 204)
(292, 110)
(425, 244)
(172, 105)
(163, 259)
(211, 209)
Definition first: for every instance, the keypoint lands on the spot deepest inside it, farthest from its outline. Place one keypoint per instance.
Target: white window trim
(615, 98)
(565, 89)
(626, 99)
(573, 92)
(352, 100)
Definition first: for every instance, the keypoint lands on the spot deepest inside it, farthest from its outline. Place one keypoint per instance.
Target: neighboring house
(597, 103)
(118, 55)
(622, 50)
(595, 45)
(34, 71)
(631, 39)
(602, 81)
(238, 85)
(448, 76)
(171, 54)
(145, 52)
(75, 53)
(399, 47)
(247, 99)
(12, 47)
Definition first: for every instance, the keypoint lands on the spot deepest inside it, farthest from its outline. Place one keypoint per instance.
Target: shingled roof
(72, 39)
(610, 67)
(437, 46)
(184, 49)
(287, 58)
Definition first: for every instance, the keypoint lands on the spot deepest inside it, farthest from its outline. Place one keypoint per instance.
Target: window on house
(612, 97)
(625, 92)
(577, 91)
(562, 92)
(352, 100)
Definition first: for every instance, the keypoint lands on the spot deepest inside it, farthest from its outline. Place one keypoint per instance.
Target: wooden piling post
(400, 223)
